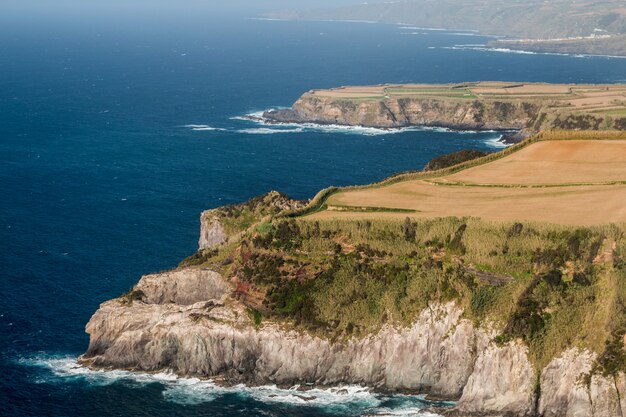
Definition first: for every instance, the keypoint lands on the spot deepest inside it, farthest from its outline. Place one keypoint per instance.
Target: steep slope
(480, 105)
(511, 319)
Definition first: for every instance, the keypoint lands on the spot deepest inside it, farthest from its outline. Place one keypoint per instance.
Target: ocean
(116, 131)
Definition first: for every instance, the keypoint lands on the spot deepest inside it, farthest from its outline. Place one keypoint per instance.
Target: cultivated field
(578, 182)
(571, 97)
(553, 162)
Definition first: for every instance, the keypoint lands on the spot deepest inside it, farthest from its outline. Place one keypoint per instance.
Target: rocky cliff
(524, 107)
(217, 224)
(186, 321)
(405, 306)
(409, 111)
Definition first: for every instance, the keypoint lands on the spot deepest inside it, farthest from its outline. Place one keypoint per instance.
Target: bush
(448, 160)
(131, 296)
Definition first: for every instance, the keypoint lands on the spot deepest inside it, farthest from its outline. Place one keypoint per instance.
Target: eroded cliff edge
(526, 108)
(186, 322)
(235, 313)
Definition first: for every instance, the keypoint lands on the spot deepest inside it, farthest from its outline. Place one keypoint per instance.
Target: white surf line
(193, 391)
(268, 131)
(257, 118)
(497, 143)
(485, 48)
(203, 128)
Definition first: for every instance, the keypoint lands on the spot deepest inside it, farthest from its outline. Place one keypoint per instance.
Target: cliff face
(186, 322)
(212, 232)
(197, 330)
(528, 108)
(402, 112)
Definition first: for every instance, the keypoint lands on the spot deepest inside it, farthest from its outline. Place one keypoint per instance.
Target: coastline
(592, 45)
(183, 390)
(206, 320)
(508, 136)
(516, 110)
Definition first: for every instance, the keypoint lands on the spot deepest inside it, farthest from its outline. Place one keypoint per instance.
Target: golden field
(575, 182)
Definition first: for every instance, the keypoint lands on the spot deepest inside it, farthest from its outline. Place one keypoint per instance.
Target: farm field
(570, 96)
(577, 182)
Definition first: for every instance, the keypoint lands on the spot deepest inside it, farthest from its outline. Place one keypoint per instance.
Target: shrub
(448, 160)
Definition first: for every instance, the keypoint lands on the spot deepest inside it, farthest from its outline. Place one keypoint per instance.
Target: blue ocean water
(116, 131)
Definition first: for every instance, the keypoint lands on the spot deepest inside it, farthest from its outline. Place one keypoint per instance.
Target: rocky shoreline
(186, 322)
(397, 114)
(190, 322)
(510, 136)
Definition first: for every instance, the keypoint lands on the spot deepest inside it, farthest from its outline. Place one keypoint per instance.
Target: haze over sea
(117, 128)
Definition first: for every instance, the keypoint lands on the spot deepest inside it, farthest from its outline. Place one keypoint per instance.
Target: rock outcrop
(197, 330)
(212, 232)
(517, 110)
(186, 322)
(218, 224)
(183, 287)
(502, 381)
(568, 391)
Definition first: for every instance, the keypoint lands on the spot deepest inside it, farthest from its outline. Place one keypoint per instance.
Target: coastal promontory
(524, 107)
(496, 283)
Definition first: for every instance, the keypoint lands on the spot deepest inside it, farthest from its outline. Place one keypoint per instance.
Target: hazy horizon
(241, 7)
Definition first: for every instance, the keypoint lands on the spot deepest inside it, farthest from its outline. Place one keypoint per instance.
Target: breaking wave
(268, 131)
(485, 48)
(496, 143)
(349, 399)
(203, 128)
(270, 127)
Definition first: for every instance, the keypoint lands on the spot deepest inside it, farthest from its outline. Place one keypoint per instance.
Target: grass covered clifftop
(342, 273)
(554, 287)
(511, 317)
(533, 107)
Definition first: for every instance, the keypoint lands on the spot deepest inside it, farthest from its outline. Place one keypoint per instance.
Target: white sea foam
(196, 391)
(420, 28)
(409, 411)
(190, 391)
(203, 128)
(255, 116)
(271, 127)
(496, 143)
(485, 48)
(66, 367)
(268, 131)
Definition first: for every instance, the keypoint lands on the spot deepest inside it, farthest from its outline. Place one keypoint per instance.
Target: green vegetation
(373, 209)
(546, 285)
(132, 295)
(236, 218)
(256, 316)
(448, 160)
(198, 258)
(552, 287)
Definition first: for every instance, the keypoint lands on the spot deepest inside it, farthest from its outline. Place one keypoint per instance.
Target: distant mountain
(577, 26)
